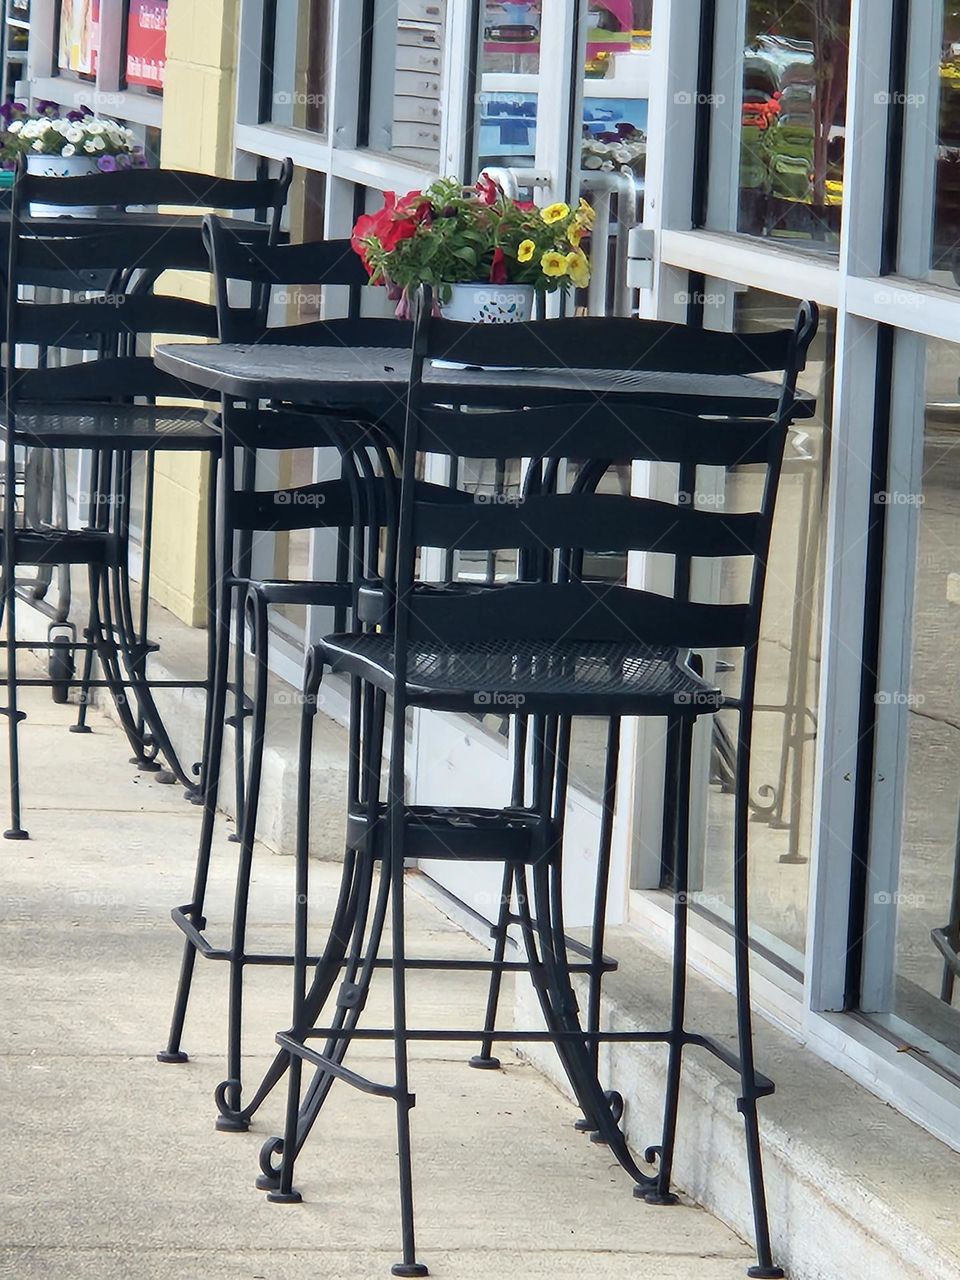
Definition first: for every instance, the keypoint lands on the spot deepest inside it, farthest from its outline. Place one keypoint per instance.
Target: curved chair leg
(328, 969)
(356, 980)
(598, 930)
(91, 631)
(664, 1153)
(750, 1092)
(211, 788)
(230, 1091)
(596, 1104)
(360, 965)
(107, 655)
(133, 661)
(238, 718)
(484, 1060)
(348, 918)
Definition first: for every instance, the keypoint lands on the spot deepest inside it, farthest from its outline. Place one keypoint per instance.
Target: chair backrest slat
(616, 430)
(80, 326)
(584, 521)
(599, 343)
(177, 188)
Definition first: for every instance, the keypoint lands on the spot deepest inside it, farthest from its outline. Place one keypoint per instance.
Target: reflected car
(512, 33)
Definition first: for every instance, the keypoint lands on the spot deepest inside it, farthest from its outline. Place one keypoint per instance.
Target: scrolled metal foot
(269, 1179)
(231, 1119)
(656, 1197)
(285, 1197)
(615, 1103)
(653, 1194)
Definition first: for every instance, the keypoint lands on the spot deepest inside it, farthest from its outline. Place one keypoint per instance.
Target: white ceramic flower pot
(61, 167)
(489, 303)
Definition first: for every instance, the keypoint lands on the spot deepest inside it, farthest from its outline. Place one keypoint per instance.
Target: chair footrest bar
(479, 1033)
(494, 835)
(764, 1085)
(181, 918)
(300, 1050)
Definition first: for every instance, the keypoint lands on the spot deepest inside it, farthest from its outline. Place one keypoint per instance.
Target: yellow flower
(526, 251)
(586, 215)
(575, 233)
(578, 268)
(555, 213)
(554, 264)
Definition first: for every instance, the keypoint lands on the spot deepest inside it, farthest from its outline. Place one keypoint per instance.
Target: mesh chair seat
(562, 677)
(120, 426)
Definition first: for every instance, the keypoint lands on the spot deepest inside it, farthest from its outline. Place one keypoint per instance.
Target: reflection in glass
(785, 725)
(301, 66)
(615, 91)
(946, 225)
(406, 81)
(792, 126)
(929, 849)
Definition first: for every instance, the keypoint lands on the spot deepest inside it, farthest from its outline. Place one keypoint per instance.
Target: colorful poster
(79, 36)
(147, 43)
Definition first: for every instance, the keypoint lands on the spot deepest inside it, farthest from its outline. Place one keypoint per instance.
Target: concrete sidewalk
(113, 1168)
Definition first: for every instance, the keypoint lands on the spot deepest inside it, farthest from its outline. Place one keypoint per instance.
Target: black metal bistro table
(375, 379)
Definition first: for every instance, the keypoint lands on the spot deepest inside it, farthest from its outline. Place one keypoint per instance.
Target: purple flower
(75, 116)
(107, 164)
(138, 159)
(46, 108)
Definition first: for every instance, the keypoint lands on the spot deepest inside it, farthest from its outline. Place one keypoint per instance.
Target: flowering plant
(450, 234)
(78, 133)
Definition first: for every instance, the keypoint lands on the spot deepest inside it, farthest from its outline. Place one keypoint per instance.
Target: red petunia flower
(498, 270)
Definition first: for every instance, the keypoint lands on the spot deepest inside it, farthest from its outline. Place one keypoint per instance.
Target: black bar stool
(556, 645)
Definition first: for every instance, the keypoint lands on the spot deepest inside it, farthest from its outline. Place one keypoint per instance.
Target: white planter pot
(489, 303)
(62, 167)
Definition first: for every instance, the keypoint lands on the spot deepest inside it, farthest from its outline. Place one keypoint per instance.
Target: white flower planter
(489, 303)
(62, 167)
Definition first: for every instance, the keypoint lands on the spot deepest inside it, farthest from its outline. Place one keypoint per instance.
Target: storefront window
(615, 89)
(920, 910)
(792, 120)
(785, 719)
(146, 46)
(79, 37)
(406, 84)
(945, 257)
(301, 37)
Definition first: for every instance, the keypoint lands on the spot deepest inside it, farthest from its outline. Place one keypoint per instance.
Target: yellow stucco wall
(198, 122)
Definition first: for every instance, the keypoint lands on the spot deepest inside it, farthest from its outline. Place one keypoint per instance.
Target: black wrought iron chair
(118, 266)
(555, 645)
(358, 504)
